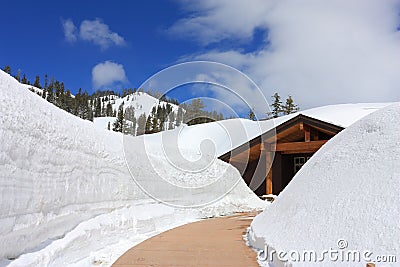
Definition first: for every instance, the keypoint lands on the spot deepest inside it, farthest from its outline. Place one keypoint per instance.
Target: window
(299, 162)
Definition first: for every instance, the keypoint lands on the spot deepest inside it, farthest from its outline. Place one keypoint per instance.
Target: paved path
(213, 242)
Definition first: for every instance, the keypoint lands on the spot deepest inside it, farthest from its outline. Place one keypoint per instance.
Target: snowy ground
(346, 197)
(68, 197)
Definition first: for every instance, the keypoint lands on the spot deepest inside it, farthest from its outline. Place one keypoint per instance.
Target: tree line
(278, 108)
(162, 117)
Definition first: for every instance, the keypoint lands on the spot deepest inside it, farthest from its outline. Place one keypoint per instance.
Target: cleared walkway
(213, 242)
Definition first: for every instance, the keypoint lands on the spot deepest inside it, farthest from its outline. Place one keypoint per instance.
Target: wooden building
(282, 150)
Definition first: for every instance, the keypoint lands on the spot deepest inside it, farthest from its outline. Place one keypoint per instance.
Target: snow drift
(65, 189)
(348, 190)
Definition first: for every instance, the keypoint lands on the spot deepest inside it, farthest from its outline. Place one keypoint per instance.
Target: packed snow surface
(349, 190)
(67, 196)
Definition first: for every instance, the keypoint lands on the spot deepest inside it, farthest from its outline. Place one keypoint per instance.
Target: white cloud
(69, 30)
(108, 73)
(94, 31)
(321, 52)
(218, 20)
(100, 34)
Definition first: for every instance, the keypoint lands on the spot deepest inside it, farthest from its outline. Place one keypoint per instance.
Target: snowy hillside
(349, 191)
(67, 196)
(141, 102)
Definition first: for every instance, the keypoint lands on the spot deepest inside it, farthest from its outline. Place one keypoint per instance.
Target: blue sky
(35, 40)
(338, 52)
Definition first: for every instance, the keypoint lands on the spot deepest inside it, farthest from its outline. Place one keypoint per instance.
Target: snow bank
(56, 170)
(66, 191)
(348, 190)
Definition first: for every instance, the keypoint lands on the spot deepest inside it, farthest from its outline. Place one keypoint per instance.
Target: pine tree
(154, 120)
(7, 69)
(69, 102)
(133, 127)
(50, 91)
(130, 113)
(141, 124)
(179, 116)
(276, 106)
(290, 107)
(194, 112)
(148, 125)
(46, 81)
(103, 109)
(24, 80)
(18, 75)
(171, 119)
(37, 82)
(109, 110)
(97, 104)
(251, 115)
(90, 115)
(118, 125)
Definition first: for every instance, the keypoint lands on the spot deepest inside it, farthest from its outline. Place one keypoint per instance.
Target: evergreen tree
(194, 112)
(46, 81)
(179, 116)
(44, 94)
(7, 69)
(50, 91)
(133, 127)
(24, 80)
(103, 109)
(251, 115)
(148, 125)
(276, 106)
(109, 110)
(118, 125)
(18, 75)
(171, 119)
(69, 102)
(97, 104)
(37, 82)
(290, 107)
(90, 115)
(130, 113)
(141, 124)
(154, 120)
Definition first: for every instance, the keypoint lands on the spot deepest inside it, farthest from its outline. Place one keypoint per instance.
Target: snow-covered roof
(227, 135)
